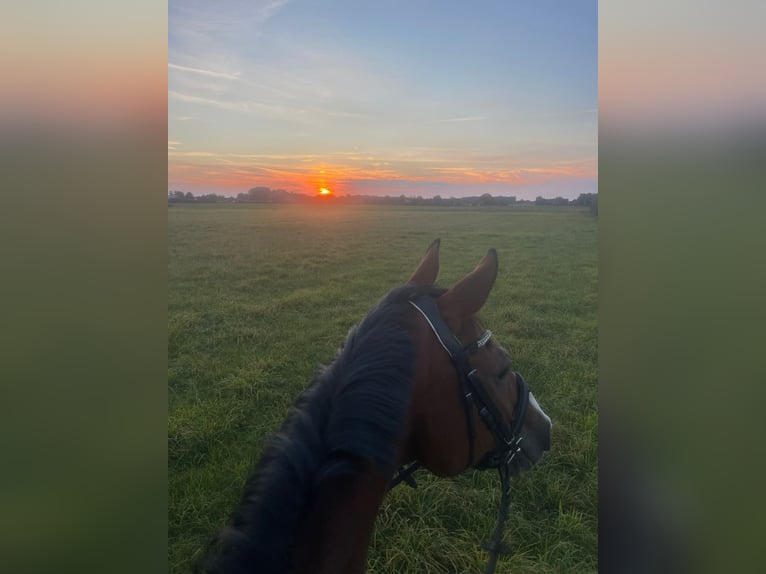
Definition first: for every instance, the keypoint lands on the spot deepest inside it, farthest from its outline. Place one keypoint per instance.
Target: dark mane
(352, 411)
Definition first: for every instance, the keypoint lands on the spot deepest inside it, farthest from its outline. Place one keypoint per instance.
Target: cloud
(268, 9)
(249, 107)
(204, 21)
(308, 171)
(204, 72)
(245, 107)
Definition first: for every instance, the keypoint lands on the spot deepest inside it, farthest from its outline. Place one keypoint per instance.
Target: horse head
(464, 381)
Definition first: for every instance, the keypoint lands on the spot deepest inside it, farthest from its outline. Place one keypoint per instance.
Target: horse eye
(501, 374)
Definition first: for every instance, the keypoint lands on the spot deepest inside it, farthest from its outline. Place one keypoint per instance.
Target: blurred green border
(83, 412)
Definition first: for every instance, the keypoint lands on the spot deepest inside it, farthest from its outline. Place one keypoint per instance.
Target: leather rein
(507, 436)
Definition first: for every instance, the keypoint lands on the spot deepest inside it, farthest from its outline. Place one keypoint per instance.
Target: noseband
(507, 436)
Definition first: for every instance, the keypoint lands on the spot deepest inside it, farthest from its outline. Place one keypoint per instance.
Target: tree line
(263, 194)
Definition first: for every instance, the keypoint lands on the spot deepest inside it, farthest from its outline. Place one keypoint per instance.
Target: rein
(507, 437)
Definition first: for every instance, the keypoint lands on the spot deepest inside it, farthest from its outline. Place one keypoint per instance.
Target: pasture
(260, 295)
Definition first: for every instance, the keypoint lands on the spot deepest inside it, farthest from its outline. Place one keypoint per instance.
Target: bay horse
(409, 384)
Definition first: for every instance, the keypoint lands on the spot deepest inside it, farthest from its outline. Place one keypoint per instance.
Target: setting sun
(325, 191)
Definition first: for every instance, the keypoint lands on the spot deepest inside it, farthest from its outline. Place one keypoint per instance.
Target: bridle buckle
(514, 448)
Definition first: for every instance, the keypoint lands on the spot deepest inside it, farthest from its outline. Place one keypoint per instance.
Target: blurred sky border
(383, 98)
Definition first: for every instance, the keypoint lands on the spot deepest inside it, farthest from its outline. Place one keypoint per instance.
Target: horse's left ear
(469, 294)
(428, 269)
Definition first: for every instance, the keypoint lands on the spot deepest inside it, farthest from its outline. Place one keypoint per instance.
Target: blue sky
(423, 97)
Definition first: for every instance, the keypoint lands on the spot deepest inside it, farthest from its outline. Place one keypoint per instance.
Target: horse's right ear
(428, 269)
(468, 295)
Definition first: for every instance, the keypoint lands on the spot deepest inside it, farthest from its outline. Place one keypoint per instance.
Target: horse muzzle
(534, 440)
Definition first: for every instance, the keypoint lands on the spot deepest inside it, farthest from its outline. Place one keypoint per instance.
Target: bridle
(507, 436)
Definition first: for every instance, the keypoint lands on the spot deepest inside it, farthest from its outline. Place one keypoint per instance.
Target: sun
(325, 192)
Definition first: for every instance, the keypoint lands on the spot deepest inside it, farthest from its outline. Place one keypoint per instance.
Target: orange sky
(238, 172)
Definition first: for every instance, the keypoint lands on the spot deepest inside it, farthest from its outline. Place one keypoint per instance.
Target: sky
(383, 98)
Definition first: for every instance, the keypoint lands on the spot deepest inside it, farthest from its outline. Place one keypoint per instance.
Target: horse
(409, 384)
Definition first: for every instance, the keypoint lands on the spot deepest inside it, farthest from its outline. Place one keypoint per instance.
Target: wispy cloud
(464, 119)
(245, 107)
(194, 154)
(268, 9)
(517, 176)
(210, 73)
(203, 21)
(250, 106)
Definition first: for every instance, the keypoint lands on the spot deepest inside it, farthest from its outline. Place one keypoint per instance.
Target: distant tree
(587, 200)
(486, 199)
(259, 193)
(584, 199)
(539, 200)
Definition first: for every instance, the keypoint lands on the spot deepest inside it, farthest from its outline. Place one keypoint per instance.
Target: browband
(430, 311)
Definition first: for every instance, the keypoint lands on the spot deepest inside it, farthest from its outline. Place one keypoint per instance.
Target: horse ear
(428, 269)
(469, 294)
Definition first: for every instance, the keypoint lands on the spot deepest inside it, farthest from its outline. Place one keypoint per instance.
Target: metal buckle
(514, 448)
(484, 339)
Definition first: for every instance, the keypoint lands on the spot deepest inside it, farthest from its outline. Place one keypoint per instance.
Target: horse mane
(353, 411)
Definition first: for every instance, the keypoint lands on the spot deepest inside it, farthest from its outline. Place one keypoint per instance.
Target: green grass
(259, 296)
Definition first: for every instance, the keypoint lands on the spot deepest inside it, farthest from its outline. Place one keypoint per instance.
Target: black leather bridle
(507, 435)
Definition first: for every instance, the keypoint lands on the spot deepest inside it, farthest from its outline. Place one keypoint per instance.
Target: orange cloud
(305, 174)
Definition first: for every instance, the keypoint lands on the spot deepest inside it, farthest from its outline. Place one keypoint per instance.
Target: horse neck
(335, 536)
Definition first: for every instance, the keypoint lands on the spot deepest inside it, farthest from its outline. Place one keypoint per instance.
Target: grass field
(260, 295)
